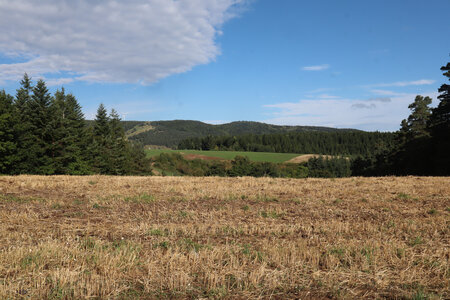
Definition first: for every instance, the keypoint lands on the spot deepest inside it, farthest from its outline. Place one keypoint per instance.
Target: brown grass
(305, 157)
(139, 129)
(69, 237)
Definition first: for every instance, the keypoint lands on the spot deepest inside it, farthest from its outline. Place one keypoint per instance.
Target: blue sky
(345, 64)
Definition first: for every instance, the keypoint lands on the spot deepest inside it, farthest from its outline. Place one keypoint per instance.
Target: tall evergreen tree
(119, 159)
(23, 94)
(416, 124)
(411, 154)
(100, 148)
(40, 114)
(101, 124)
(23, 128)
(69, 138)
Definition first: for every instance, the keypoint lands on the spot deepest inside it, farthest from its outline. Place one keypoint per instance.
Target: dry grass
(305, 157)
(170, 237)
(139, 129)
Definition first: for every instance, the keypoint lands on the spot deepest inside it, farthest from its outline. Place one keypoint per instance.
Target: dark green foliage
(110, 151)
(332, 143)
(69, 136)
(45, 134)
(39, 114)
(23, 128)
(8, 143)
(171, 133)
(439, 128)
(329, 167)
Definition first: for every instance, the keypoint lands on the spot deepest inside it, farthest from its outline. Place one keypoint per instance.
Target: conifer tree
(416, 125)
(69, 138)
(23, 128)
(39, 111)
(119, 159)
(99, 148)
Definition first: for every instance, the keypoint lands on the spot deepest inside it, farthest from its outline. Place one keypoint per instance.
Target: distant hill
(170, 133)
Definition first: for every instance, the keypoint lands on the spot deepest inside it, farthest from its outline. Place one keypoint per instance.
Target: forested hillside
(333, 143)
(171, 133)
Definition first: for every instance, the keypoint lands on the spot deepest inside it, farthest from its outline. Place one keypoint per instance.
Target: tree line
(47, 134)
(349, 142)
(175, 164)
(421, 145)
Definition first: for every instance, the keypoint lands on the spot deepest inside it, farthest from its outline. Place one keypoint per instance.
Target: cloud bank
(134, 41)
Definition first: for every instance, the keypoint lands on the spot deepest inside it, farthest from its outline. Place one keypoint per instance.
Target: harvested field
(68, 237)
(305, 157)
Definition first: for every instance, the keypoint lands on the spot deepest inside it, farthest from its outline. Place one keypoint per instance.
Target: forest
(349, 142)
(47, 134)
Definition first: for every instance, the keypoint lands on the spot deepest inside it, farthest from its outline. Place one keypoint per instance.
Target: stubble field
(67, 237)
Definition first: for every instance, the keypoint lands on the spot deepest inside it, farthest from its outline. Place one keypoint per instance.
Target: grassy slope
(253, 156)
(106, 237)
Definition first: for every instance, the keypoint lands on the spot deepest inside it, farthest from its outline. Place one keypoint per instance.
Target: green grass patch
(229, 155)
(143, 198)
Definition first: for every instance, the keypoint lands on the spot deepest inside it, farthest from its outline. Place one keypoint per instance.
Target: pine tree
(99, 146)
(23, 128)
(101, 124)
(119, 160)
(69, 138)
(40, 116)
(416, 125)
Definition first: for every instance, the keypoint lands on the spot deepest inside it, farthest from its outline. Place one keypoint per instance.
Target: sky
(344, 64)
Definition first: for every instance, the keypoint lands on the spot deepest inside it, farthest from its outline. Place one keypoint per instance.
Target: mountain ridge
(170, 132)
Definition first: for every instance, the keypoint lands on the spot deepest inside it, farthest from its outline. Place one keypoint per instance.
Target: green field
(253, 156)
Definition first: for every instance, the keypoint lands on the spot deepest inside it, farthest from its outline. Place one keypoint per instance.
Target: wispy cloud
(320, 90)
(215, 122)
(387, 93)
(378, 113)
(403, 83)
(136, 41)
(380, 99)
(316, 68)
(363, 105)
(327, 96)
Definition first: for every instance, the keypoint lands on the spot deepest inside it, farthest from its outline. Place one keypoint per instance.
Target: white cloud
(139, 41)
(383, 114)
(215, 122)
(316, 68)
(387, 93)
(327, 96)
(404, 83)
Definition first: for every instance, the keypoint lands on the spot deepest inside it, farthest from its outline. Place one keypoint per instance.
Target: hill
(170, 133)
